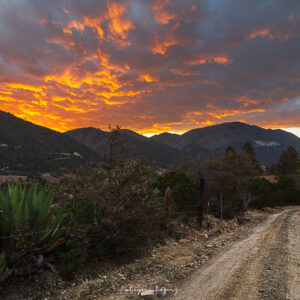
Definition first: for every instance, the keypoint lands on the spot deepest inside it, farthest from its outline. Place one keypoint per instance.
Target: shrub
(288, 187)
(114, 212)
(263, 190)
(71, 257)
(184, 197)
(184, 191)
(282, 192)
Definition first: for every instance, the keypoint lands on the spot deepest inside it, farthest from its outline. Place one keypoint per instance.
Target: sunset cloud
(150, 65)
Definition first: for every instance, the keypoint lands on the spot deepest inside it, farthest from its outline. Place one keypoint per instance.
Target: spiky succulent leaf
(4, 272)
(29, 213)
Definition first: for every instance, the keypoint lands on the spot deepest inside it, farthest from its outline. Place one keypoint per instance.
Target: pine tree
(287, 163)
(248, 149)
(117, 151)
(230, 151)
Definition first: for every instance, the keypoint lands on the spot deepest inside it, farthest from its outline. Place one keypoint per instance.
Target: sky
(151, 65)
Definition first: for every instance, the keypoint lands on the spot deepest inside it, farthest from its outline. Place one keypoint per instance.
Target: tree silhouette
(287, 163)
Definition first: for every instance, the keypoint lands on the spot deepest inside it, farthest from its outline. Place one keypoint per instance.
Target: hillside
(204, 142)
(201, 143)
(28, 147)
(138, 145)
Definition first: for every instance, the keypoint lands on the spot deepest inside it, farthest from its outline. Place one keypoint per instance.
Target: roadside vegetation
(113, 211)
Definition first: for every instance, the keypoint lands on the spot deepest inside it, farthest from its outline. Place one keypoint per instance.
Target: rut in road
(294, 257)
(262, 266)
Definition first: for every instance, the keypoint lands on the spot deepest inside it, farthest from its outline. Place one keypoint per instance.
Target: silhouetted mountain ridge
(26, 146)
(138, 145)
(207, 141)
(200, 143)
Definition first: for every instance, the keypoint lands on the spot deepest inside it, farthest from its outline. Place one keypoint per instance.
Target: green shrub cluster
(281, 192)
(183, 192)
(113, 212)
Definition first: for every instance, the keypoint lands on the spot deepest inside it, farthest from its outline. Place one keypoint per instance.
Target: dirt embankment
(167, 265)
(244, 258)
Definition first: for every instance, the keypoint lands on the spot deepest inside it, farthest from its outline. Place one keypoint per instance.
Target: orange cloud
(282, 36)
(197, 61)
(148, 78)
(221, 60)
(24, 87)
(161, 14)
(161, 47)
(73, 24)
(183, 71)
(119, 24)
(94, 23)
(262, 32)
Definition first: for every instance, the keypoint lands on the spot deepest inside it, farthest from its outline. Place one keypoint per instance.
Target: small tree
(248, 149)
(119, 207)
(228, 179)
(117, 151)
(230, 151)
(287, 163)
(184, 191)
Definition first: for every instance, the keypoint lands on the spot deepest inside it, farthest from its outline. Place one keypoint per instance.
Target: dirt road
(266, 265)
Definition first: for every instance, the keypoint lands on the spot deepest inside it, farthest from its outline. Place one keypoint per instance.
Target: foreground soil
(255, 256)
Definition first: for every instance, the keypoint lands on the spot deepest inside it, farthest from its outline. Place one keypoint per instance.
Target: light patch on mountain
(266, 144)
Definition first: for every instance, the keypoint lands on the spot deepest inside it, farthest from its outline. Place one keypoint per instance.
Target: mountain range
(25, 146)
(138, 145)
(201, 143)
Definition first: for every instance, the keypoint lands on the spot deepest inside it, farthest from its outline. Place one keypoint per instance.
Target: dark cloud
(173, 65)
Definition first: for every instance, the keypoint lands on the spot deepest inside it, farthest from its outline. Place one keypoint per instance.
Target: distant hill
(138, 145)
(28, 147)
(25, 146)
(201, 143)
(205, 142)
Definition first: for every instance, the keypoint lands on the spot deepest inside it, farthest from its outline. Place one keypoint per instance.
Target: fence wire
(27, 234)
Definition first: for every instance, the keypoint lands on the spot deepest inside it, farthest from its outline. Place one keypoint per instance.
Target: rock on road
(265, 265)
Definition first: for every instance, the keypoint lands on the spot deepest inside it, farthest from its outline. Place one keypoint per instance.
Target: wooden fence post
(166, 208)
(200, 203)
(221, 205)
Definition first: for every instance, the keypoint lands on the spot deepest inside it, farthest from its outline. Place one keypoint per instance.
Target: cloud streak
(150, 66)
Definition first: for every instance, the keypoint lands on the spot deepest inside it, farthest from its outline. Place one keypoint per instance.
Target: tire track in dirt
(254, 268)
(273, 275)
(294, 257)
(263, 275)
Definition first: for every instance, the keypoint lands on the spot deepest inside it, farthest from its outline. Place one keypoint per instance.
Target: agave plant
(27, 215)
(4, 272)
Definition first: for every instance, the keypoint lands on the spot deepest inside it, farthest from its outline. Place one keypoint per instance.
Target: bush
(263, 190)
(289, 189)
(114, 212)
(71, 257)
(282, 192)
(184, 197)
(183, 191)
(132, 209)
